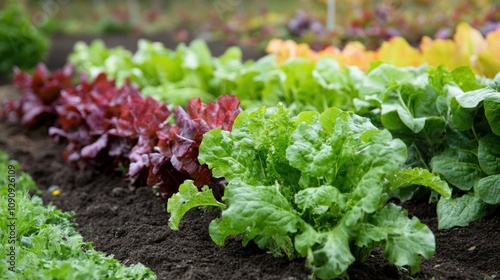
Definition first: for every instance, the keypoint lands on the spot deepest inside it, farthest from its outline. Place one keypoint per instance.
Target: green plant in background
(442, 116)
(109, 25)
(46, 244)
(450, 121)
(21, 43)
(175, 76)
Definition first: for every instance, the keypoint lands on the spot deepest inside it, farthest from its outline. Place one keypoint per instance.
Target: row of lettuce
(116, 128)
(40, 242)
(441, 115)
(304, 178)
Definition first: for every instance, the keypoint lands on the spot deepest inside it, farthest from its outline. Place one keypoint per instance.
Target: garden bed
(133, 226)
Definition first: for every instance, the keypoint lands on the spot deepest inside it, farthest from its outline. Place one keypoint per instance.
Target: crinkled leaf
(88, 116)
(243, 154)
(187, 198)
(460, 211)
(40, 93)
(492, 112)
(227, 159)
(420, 177)
(310, 154)
(465, 78)
(489, 154)
(379, 79)
(221, 113)
(174, 149)
(488, 189)
(343, 157)
(458, 167)
(320, 199)
(472, 99)
(255, 209)
(407, 239)
(328, 253)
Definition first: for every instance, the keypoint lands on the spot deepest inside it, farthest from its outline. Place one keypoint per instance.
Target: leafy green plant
(300, 84)
(21, 43)
(46, 244)
(475, 156)
(314, 186)
(167, 75)
(449, 120)
(191, 71)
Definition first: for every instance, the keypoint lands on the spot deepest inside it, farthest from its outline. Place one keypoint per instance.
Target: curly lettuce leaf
(405, 239)
(243, 153)
(328, 253)
(187, 198)
(257, 211)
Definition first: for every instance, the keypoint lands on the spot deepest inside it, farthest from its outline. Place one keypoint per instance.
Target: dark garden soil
(132, 225)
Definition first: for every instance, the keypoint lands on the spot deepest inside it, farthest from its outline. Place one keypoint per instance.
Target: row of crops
(301, 156)
(49, 247)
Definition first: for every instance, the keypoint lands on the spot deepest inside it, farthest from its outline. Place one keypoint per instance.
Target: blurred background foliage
(240, 22)
(256, 22)
(21, 43)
